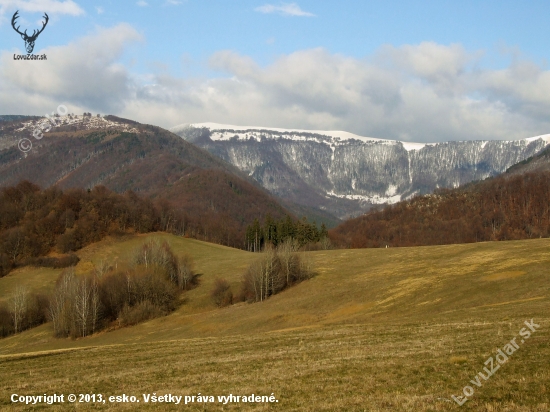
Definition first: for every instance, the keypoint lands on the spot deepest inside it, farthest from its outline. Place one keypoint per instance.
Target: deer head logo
(29, 40)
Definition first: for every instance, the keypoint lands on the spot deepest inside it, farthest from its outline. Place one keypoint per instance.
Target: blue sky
(408, 70)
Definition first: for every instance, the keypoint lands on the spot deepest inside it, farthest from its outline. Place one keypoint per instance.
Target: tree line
(501, 208)
(35, 222)
(274, 232)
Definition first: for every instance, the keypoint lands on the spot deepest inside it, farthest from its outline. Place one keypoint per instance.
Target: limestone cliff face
(346, 174)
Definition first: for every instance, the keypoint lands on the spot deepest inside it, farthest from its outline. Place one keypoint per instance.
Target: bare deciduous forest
(502, 208)
(35, 222)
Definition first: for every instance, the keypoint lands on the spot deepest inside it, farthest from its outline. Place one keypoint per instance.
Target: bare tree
(18, 307)
(263, 277)
(276, 270)
(82, 306)
(96, 304)
(306, 267)
(60, 310)
(289, 260)
(13, 243)
(75, 305)
(325, 243)
(101, 268)
(160, 255)
(186, 276)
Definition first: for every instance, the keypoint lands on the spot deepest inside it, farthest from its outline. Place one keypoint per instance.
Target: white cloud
(46, 6)
(425, 92)
(100, 10)
(172, 2)
(142, 3)
(85, 73)
(286, 9)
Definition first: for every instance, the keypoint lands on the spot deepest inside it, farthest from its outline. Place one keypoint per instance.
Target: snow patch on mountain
(373, 200)
(225, 132)
(545, 137)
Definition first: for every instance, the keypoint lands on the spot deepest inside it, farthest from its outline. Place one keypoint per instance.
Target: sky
(421, 71)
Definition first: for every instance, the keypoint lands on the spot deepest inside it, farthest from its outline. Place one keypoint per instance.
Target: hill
(122, 155)
(398, 328)
(502, 208)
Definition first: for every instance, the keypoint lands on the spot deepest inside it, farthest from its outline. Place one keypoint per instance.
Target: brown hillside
(503, 208)
(124, 155)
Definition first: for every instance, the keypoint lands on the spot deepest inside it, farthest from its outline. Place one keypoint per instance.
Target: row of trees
(274, 232)
(502, 208)
(149, 286)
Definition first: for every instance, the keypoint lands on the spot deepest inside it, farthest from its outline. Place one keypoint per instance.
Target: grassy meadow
(375, 330)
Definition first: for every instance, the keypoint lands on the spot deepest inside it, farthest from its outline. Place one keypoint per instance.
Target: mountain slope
(85, 151)
(500, 208)
(346, 174)
(538, 163)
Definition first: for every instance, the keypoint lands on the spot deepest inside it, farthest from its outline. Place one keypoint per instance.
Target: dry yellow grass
(375, 330)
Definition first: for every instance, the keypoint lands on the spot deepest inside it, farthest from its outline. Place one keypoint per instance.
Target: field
(375, 330)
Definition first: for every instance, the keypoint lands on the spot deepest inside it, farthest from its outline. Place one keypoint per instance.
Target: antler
(34, 34)
(13, 19)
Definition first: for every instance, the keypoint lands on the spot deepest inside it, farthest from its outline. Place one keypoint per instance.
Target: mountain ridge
(346, 174)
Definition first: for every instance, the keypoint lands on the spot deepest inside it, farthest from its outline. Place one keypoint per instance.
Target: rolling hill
(511, 206)
(398, 328)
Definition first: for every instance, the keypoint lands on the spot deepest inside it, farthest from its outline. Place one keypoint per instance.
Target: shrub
(187, 279)
(6, 325)
(156, 255)
(114, 293)
(37, 310)
(221, 294)
(120, 292)
(143, 311)
(155, 288)
(5, 265)
(68, 241)
(54, 262)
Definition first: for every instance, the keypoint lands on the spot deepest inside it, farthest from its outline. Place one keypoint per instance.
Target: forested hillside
(502, 208)
(35, 222)
(208, 198)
